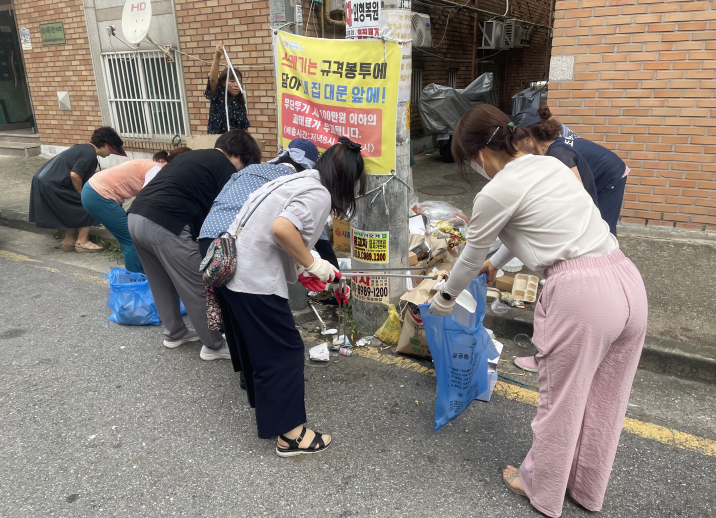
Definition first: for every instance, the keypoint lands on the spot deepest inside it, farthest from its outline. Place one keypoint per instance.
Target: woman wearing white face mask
(590, 320)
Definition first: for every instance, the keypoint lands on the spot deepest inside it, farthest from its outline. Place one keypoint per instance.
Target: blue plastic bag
(460, 353)
(131, 300)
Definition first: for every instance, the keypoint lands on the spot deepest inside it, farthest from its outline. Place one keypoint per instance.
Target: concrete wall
(638, 77)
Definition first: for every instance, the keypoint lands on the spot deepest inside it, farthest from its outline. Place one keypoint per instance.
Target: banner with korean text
(332, 88)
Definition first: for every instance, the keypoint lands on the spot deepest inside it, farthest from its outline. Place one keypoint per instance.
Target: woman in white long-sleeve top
(590, 320)
(281, 222)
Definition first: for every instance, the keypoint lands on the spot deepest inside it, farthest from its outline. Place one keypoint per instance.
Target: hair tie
(511, 125)
(353, 146)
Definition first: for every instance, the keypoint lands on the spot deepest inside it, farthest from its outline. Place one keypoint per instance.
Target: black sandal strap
(317, 443)
(293, 443)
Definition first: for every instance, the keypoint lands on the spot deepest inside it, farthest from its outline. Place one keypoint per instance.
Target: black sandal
(316, 446)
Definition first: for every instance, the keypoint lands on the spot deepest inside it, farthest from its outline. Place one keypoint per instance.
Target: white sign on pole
(362, 19)
(136, 19)
(277, 11)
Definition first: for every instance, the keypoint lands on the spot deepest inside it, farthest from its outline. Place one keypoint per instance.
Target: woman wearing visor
(590, 320)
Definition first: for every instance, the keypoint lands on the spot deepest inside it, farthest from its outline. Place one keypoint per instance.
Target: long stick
(366, 274)
(349, 270)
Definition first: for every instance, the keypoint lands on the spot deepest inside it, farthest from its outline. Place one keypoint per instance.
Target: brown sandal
(87, 248)
(68, 247)
(508, 480)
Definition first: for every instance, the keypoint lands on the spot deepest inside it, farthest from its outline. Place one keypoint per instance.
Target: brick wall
(60, 68)
(644, 87)
(514, 69)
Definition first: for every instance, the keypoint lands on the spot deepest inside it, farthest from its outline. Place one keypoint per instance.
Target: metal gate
(146, 99)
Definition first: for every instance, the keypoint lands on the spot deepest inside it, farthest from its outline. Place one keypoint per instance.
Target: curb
(18, 220)
(679, 359)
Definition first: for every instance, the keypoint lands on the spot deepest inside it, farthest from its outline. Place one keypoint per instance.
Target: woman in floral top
(216, 93)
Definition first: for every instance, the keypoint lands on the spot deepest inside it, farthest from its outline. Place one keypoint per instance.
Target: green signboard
(52, 33)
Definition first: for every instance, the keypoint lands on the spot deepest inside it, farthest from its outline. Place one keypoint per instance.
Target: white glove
(321, 269)
(440, 306)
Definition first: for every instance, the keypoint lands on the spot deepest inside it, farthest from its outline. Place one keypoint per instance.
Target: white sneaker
(214, 354)
(190, 336)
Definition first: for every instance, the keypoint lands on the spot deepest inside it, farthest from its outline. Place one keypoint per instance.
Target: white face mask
(480, 168)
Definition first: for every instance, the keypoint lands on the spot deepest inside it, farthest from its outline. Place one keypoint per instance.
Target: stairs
(19, 144)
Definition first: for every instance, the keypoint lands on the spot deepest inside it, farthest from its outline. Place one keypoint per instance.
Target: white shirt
(262, 266)
(540, 212)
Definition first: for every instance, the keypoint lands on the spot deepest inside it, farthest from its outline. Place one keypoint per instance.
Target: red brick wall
(514, 68)
(644, 87)
(60, 68)
(244, 29)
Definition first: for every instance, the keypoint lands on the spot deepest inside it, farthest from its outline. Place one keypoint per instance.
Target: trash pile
(464, 354)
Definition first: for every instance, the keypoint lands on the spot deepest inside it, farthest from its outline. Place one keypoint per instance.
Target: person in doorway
(216, 92)
(590, 321)
(609, 171)
(286, 219)
(105, 193)
(164, 222)
(56, 192)
(540, 140)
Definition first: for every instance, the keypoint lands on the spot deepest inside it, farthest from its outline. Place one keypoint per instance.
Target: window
(416, 88)
(452, 78)
(145, 96)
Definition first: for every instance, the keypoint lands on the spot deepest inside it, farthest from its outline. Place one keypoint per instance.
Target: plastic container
(525, 287)
(514, 266)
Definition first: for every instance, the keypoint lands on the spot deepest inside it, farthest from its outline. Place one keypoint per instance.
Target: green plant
(111, 249)
(353, 326)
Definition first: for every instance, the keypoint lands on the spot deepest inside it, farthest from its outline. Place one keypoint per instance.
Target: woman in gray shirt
(279, 234)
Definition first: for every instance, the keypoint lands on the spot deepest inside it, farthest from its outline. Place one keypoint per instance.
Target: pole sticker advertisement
(332, 88)
(371, 289)
(370, 247)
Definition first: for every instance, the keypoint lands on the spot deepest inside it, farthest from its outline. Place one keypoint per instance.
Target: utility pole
(372, 220)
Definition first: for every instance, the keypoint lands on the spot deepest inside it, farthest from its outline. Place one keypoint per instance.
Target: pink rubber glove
(311, 282)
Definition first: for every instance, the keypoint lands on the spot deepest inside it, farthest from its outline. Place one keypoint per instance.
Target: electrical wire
(308, 21)
(459, 60)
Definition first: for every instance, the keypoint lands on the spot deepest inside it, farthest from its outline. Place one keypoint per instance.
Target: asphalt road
(102, 420)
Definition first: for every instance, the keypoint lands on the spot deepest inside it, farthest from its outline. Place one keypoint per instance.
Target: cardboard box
(412, 259)
(412, 337)
(341, 235)
(505, 283)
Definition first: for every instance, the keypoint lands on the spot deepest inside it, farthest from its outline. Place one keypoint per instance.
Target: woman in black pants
(287, 217)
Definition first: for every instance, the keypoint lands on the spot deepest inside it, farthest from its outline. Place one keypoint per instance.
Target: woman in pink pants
(590, 320)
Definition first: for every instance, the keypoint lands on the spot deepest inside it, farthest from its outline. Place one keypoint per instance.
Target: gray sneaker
(190, 336)
(214, 354)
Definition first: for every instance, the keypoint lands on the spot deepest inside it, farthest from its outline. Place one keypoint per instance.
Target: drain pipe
(327, 15)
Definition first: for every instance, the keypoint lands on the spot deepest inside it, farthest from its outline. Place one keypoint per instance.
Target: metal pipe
(474, 48)
(327, 15)
(404, 275)
(475, 9)
(358, 270)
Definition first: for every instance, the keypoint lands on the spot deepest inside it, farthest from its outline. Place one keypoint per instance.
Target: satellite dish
(136, 19)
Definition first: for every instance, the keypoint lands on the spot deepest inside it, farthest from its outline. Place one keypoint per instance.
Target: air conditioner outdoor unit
(493, 35)
(513, 34)
(337, 6)
(421, 31)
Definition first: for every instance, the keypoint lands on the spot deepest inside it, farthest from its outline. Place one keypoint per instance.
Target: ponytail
(165, 156)
(483, 126)
(341, 168)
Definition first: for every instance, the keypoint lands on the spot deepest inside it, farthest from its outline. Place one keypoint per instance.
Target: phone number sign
(370, 247)
(371, 289)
